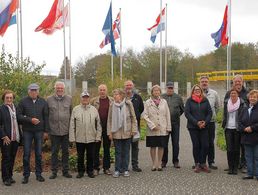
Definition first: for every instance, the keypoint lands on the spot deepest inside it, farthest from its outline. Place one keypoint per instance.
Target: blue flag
(108, 30)
(13, 20)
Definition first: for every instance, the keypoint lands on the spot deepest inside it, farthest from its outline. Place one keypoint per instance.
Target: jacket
(138, 106)
(176, 106)
(59, 114)
(95, 101)
(131, 123)
(85, 125)
(213, 98)
(245, 121)
(195, 112)
(157, 117)
(225, 113)
(243, 94)
(27, 110)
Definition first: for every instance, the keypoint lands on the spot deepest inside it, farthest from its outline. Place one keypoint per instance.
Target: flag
(108, 30)
(57, 18)
(7, 9)
(158, 26)
(116, 32)
(13, 20)
(221, 36)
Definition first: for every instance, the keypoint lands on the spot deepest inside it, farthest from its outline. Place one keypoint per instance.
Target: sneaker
(205, 169)
(53, 176)
(116, 174)
(126, 174)
(107, 172)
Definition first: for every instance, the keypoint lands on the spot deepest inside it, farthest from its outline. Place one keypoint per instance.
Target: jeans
(106, 148)
(200, 145)
(28, 138)
(251, 156)
(211, 136)
(175, 144)
(81, 148)
(122, 150)
(56, 143)
(8, 159)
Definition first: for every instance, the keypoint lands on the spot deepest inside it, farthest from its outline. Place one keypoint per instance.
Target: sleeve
(109, 121)
(141, 106)
(188, 114)
(133, 118)
(241, 125)
(72, 127)
(22, 118)
(46, 117)
(181, 106)
(2, 132)
(217, 103)
(168, 119)
(98, 126)
(209, 113)
(146, 114)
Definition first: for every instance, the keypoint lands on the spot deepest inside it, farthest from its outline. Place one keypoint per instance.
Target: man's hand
(110, 137)
(133, 133)
(248, 129)
(35, 121)
(6, 140)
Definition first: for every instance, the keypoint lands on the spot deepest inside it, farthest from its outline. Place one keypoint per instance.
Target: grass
(221, 143)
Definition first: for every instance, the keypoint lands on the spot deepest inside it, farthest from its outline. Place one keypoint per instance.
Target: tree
(62, 69)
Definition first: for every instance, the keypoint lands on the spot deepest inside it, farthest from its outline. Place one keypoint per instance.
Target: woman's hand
(6, 140)
(110, 137)
(155, 129)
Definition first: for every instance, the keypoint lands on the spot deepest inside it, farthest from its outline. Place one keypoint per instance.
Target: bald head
(102, 89)
(128, 87)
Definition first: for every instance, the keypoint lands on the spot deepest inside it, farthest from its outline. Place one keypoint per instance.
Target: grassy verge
(221, 143)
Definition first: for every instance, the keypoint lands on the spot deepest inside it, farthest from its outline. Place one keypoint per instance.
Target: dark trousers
(233, 148)
(106, 151)
(251, 155)
(81, 148)
(211, 136)
(175, 144)
(242, 155)
(8, 158)
(200, 145)
(56, 143)
(122, 151)
(28, 138)
(135, 153)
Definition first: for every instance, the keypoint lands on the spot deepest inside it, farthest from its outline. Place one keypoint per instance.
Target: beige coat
(85, 125)
(131, 123)
(157, 117)
(95, 101)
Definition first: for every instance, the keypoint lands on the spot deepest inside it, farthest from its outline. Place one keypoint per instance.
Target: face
(59, 89)
(170, 90)
(156, 92)
(85, 100)
(253, 99)
(238, 84)
(117, 97)
(204, 83)
(8, 99)
(129, 86)
(33, 93)
(197, 91)
(102, 91)
(233, 96)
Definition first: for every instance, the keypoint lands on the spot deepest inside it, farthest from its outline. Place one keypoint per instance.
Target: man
(60, 108)
(213, 98)
(85, 130)
(176, 108)
(102, 103)
(138, 109)
(33, 115)
(238, 84)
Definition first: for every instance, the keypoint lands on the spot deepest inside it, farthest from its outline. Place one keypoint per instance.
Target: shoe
(7, 182)
(12, 180)
(153, 169)
(234, 171)
(67, 175)
(79, 175)
(116, 174)
(126, 174)
(193, 167)
(212, 166)
(107, 172)
(227, 169)
(53, 176)
(197, 169)
(205, 169)
(247, 177)
(91, 175)
(244, 170)
(176, 165)
(137, 169)
(25, 180)
(230, 171)
(163, 165)
(160, 169)
(40, 178)
(96, 172)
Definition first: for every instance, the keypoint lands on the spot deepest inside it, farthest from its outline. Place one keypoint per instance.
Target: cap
(33, 86)
(85, 93)
(170, 84)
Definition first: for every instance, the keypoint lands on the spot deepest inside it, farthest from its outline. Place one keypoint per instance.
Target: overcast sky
(190, 23)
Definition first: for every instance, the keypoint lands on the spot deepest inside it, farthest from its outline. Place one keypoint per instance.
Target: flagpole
(70, 46)
(166, 40)
(229, 46)
(18, 35)
(121, 54)
(160, 45)
(21, 41)
(112, 67)
(65, 63)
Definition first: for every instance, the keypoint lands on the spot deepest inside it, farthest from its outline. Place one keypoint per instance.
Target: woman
(198, 113)
(248, 126)
(157, 116)
(232, 108)
(121, 126)
(10, 136)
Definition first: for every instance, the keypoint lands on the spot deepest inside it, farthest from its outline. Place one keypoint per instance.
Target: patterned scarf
(232, 107)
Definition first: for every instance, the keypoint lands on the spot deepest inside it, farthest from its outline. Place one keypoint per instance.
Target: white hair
(59, 83)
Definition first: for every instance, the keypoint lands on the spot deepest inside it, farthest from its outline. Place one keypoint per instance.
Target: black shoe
(67, 175)
(137, 169)
(40, 178)
(80, 175)
(25, 180)
(53, 176)
(7, 182)
(163, 165)
(227, 169)
(91, 175)
(234, 171)
(12, 180)
(212, 166)
(247, 177)
(160, 169)
(230, 172)
(193, 167)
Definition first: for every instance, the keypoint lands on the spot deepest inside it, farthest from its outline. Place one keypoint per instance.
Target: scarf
(156, 101)
(232, 107)
(14, 125)
(118, 116)
(197, 99)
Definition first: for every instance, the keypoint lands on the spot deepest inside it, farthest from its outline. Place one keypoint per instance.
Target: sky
(190, 23)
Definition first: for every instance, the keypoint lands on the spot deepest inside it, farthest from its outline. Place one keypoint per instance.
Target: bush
(221, 143)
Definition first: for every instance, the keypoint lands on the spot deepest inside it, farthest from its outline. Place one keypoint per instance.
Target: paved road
(170, 181)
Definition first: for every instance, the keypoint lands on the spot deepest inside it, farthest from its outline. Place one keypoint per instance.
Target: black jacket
(27, 110)
(138, 106)
(246, 121)
(225, 113)
(243, 95)
(195, 112)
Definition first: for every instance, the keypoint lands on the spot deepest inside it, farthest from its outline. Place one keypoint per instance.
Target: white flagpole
(166, 40)
(21, 41)
(112, 67)
(18, 34)
(65, 63)
(121, 52)
(70, 46)
(229, 46)
(160, 45)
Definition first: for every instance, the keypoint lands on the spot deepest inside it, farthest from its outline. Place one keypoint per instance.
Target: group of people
(104, 119)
